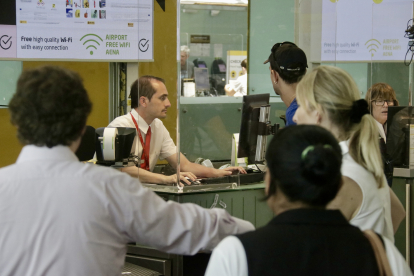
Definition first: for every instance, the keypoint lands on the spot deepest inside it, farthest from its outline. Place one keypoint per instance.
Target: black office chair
(199, 63)
(218, 76)
(86, 150)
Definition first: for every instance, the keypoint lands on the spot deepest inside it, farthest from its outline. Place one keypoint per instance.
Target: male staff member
(287, 66)
(63, 217)
(147, 107)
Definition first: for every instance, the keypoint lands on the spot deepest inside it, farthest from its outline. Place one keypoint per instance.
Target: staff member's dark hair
(142, 87)
(50, 107)
(304, 163)
(244, 63)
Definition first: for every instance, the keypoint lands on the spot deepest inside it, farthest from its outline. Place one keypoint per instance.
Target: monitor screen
(249, 125)
(201, 79)
(398, 134)
(222, 68)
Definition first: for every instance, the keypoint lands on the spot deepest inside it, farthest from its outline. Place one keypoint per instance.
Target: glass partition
(390, 74)
(213, 44)
(152, 95)
(9, 73)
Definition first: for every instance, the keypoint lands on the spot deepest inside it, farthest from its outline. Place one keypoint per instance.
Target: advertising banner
(365, 30)
(117, 30)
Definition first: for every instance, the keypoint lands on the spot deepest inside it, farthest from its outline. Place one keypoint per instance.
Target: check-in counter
(402, 186)
(244, 201)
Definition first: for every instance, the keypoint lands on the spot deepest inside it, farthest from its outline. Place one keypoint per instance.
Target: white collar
(344, 147)
(381, 131)
(33, 153)
(143, 126)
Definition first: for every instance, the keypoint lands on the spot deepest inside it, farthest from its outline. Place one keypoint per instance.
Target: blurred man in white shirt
(60, 216)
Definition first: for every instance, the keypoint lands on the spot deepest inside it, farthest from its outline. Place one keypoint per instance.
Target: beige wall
(95, 77)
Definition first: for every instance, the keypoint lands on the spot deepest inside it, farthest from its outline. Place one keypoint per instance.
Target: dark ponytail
(304, 162)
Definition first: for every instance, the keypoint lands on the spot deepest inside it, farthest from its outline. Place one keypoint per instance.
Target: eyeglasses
(382, 102)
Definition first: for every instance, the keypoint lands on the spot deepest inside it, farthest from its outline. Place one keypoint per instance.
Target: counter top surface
(207, 188)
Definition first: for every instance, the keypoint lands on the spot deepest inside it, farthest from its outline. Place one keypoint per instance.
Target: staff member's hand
(240, 169)
(172, 179)
(229, 171)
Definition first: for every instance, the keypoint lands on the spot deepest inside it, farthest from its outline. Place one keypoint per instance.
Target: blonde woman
(329, 97)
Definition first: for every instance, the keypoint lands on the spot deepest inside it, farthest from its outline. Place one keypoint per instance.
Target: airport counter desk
(244, 201)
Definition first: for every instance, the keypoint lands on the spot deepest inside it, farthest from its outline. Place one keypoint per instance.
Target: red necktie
(146, 151)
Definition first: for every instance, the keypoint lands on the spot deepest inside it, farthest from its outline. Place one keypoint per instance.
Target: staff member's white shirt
(240, 86)
(381, 131)
(161, 147)
(59, 216)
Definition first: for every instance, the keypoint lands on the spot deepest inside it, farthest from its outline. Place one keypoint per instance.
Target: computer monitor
(123, 141)
(398, 134)
(249, 128)
(201, 79)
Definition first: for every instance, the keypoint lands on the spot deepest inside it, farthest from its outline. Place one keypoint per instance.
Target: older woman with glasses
(381, 96)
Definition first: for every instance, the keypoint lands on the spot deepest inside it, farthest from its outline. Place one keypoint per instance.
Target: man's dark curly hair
(50, 106)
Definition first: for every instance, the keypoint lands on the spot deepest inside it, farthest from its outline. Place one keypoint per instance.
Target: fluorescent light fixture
(215, 2)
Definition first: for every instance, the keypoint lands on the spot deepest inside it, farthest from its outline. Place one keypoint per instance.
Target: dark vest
(309, 242)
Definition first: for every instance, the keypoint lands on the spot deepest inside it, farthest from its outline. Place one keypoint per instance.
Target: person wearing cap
(288, 65)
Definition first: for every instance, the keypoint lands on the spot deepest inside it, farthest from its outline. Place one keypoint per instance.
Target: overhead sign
(365, 30)
(117, 30)
(200, 39)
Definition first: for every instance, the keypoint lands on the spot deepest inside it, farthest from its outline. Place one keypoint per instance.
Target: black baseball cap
(287, 57)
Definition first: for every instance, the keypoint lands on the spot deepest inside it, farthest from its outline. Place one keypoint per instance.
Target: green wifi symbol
(372, 46)
(89, 38)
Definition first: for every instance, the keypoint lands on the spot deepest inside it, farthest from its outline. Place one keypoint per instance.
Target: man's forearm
(145, 176)
(199, 170)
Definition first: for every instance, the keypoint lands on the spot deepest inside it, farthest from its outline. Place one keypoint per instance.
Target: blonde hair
(332, 91)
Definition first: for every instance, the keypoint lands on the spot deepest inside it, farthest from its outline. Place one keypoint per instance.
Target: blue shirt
(290, 112)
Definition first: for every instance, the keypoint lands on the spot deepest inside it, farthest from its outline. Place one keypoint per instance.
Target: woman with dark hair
(303, 176)
(381, 96)
(329, 97)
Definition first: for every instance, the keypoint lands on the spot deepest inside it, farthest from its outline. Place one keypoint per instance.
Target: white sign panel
(365, 30)
(81, 30)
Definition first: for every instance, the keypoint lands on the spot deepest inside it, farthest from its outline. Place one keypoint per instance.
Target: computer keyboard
(248, 178)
